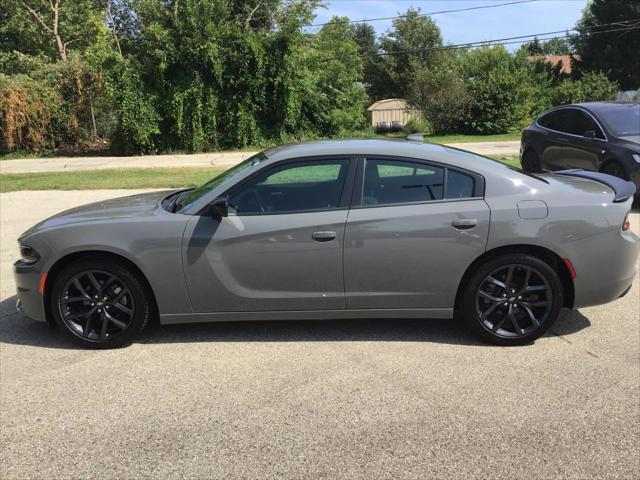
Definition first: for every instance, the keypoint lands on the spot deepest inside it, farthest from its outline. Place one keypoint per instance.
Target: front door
(280, 248)
(417, 230)
(576, 142)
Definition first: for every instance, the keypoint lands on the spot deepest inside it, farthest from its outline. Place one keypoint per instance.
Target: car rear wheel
(512, 299)
(531, 162)
(99, 303)
(615, 169)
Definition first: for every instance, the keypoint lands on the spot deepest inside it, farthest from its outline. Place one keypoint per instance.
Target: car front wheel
(100, 303)
(512, 299)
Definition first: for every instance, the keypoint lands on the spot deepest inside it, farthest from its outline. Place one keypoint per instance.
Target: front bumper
(30, 302)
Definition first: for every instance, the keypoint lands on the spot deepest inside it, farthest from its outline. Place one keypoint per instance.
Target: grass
(128, 178)
(107, 179)
(367, 133)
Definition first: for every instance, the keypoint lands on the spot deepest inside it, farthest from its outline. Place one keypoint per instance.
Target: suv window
(578, 122)
(549, 120)
(389, 182)
(571, 120)
(293, 187)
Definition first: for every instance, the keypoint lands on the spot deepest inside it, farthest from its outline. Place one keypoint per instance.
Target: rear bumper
(606, 266)
(30, 302)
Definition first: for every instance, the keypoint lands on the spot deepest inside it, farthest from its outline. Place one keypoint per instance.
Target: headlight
(636, 157)
(28, 255)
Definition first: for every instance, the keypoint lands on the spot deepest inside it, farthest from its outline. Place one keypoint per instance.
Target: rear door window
(392, 182)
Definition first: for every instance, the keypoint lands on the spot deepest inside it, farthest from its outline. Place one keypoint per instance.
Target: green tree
(534, 47)
(494, 81)
(556, 46)
(51, 28)
(593, 86)
(412, 44)
(441, 95)
(365, 37)
(335, 99)
(614, 53)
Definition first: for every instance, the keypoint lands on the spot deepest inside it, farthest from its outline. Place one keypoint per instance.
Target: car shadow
(17, 329)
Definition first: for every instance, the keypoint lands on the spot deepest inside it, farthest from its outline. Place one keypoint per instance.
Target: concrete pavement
(214, 159)
(349, 399)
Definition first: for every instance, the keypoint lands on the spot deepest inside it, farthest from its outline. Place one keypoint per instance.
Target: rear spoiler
(623, 189)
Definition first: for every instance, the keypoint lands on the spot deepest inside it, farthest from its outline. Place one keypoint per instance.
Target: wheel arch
(609, 160)
(65, 260)
(543, 253)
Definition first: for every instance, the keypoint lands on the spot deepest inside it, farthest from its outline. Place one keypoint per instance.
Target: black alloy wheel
(100, 304)
(513, 300)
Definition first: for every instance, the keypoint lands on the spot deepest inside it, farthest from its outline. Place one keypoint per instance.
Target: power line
(624, 26)
(479, 7)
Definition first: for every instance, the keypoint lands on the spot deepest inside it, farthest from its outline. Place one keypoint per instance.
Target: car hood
(632, 141)
(144, 204)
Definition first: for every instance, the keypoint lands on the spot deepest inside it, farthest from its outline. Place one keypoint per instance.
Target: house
(391, 110)
(554, 60)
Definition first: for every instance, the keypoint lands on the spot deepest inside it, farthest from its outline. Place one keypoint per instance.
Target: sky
(460, 27)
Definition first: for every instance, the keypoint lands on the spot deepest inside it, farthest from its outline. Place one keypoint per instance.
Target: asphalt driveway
(352, 399)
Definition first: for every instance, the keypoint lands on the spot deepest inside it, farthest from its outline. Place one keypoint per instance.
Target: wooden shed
(390, 110)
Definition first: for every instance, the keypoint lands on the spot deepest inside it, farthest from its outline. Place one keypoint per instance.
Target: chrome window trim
(606, 139)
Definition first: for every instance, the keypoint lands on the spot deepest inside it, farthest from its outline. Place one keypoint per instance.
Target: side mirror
(219, 207)
(590, 134)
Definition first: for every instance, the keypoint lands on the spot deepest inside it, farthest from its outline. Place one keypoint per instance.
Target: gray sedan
(339, 229)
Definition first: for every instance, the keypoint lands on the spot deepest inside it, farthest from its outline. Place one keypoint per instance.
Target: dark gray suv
(600, 136)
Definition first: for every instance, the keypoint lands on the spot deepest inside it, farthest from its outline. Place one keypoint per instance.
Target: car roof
(598, 107)
(393, 148)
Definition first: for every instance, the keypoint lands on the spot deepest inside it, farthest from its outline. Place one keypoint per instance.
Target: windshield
(622, 120)
(192, 195)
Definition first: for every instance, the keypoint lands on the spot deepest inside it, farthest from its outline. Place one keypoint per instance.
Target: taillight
(626, 225)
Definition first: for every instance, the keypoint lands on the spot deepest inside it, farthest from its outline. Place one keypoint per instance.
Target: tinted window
(390, 182)
(548, 120)
(294, 187)
(459, 185)
(571, 120)
(578, 122)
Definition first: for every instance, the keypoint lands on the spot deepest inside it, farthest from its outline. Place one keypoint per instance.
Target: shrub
(416, 125)
(593, 86)
(27, 108)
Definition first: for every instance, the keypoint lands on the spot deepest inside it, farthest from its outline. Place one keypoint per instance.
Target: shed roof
(389, 103)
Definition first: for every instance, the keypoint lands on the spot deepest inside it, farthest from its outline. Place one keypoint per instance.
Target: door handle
(323, 236)
(464, 223)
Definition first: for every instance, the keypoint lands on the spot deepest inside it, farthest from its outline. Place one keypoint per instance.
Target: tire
(509, 319)
(531, 162)
(100, 303)
(614, 168)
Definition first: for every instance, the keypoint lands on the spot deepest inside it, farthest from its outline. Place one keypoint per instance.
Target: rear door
(413, 230)
(575, 141)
